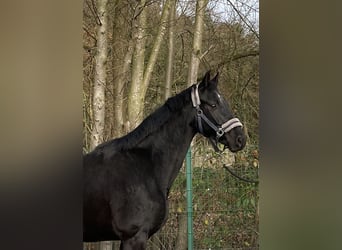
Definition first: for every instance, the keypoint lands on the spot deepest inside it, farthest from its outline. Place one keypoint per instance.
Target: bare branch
(244, 19)
(89, 34)
(97, 18)
(239, 56)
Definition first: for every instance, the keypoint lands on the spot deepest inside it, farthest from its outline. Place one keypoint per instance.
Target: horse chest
(140, 209)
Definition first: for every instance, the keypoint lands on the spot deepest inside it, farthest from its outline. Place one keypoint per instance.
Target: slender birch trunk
(140, 77)
(156, 46)
(181, 241)
(122, 69)
(197, 42)
(134, 97)
(119, 91)
(100, 77)
(171, 49)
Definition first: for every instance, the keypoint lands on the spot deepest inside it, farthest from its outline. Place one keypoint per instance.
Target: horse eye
(213, 105)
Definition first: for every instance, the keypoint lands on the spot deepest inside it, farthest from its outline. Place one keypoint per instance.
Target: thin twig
(245, 87)
(97, 18)
(89, 34)
(243, 19)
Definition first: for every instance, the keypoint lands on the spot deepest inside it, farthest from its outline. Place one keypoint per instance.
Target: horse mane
(152, 123)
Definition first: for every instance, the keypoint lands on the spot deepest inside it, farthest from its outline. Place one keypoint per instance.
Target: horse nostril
(239, 140)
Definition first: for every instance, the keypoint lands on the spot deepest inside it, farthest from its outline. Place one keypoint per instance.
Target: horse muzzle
(234, 140)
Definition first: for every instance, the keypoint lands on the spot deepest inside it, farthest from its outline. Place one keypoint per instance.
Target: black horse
(127, 180)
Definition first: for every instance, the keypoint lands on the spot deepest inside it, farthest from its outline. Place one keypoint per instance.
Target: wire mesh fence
(225, 209)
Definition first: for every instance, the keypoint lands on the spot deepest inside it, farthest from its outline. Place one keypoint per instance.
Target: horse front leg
(138, 242)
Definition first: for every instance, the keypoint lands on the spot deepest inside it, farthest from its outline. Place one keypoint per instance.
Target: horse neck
(169, 145)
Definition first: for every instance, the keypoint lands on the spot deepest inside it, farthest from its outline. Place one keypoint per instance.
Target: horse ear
(205, 80)
(215, 79)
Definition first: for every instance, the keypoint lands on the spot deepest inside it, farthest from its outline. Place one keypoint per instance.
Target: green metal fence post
(189, 198)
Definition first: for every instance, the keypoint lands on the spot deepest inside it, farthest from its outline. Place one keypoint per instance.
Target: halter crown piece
(220, 129)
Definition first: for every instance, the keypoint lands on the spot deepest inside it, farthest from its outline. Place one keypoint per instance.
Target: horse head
(214, 118)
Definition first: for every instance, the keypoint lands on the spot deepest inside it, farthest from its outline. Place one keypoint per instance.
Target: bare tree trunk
(135, 100)
(140, 77)
(110, 129)
(197, 42)
(121, 66)
(105, 245)
(121, 79)
(116, 245)
(100, 76)
(171, 48)
(156, 46)
(181, 241)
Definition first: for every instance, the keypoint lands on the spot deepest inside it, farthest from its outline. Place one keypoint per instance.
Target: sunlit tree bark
(197, 42)
(171, 48)
(134, 96)
(100, 76)
(141, 77)
(122, 74)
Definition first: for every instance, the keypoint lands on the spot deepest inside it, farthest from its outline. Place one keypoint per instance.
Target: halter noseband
(220, 129)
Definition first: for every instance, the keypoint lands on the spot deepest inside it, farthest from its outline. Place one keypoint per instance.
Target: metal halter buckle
(219, 132)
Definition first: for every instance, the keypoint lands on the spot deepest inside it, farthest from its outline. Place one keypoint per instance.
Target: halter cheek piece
(220, 129)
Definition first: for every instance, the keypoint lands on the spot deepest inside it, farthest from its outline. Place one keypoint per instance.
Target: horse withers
(127, 180)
